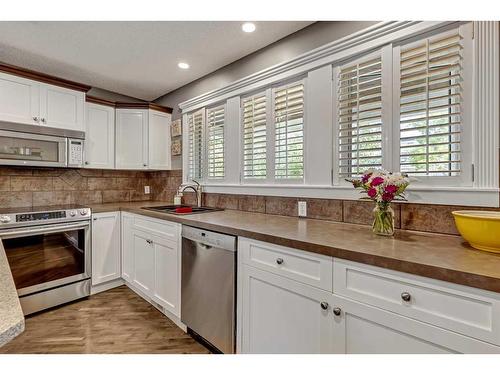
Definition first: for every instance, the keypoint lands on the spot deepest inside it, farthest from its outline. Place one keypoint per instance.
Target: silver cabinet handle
(337, 311)
(324, 305)
(279, 260)
(36, 119)
(405, 296)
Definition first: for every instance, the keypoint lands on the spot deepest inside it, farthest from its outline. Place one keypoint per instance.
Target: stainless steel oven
(49, 255)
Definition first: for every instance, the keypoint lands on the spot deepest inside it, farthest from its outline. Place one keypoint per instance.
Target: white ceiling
(138, 59)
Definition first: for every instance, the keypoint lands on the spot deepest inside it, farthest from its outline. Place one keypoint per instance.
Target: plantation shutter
(254, 137)
(359, 117)
(289, 131)
(195, 154)
(215, 142)
(431, 106)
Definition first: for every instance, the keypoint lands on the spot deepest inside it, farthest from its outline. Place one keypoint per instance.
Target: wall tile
(281, 206)
(325, 209)
(361, 212)
(252, 203)
(26, 183)
(226, 201)
(90, 172)
(4, 183)
(86, 197)
(101, 183)
(115, 196)
(431, 218)
(16, 199)
(16, 171)
(47, 198)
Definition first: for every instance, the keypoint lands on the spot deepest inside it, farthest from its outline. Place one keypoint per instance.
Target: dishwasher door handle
(206, 247)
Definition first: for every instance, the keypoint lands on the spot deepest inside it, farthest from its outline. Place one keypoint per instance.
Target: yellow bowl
(480, 228)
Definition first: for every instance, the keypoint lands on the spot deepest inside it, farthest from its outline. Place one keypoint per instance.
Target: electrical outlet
(302, 209)
(147, 189)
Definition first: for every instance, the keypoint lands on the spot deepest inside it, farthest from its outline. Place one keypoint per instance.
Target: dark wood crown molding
(42, 77)
(153, 106)
(95, 100)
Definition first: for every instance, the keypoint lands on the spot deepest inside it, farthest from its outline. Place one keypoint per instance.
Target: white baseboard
(165, 312)
(94, 289)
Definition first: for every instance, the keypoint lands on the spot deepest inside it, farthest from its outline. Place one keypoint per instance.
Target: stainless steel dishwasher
(208, 303)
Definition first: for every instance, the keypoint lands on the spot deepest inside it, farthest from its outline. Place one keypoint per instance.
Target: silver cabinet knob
(36, 119)
(405, 296)
(337, 311)
(43, 120)
(149, 242)
(324, 305)
(279, 261)
(144, 165)
(86, 163)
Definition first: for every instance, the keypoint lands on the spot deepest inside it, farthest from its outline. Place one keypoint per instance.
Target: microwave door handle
(41, 230)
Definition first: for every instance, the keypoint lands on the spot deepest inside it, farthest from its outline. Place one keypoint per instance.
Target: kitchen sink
(171, 209)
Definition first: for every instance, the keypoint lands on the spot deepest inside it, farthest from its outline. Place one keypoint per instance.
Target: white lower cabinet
(280, 315)
(284, 312)
(151, 259)
(105, 247)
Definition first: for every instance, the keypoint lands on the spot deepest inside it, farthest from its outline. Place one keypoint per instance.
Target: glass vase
(383, 222)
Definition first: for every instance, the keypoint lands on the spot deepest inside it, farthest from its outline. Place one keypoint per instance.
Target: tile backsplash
(23, 187)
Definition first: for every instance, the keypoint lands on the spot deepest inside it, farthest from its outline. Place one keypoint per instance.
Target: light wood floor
(115, 321)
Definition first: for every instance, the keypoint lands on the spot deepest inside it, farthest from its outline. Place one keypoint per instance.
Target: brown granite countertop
(11, 314)
(442, 257)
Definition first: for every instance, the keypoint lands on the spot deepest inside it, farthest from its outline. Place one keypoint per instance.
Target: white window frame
(465, 179)
(186, 166)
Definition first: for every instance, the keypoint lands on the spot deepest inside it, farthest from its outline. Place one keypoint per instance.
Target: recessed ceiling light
(248, 27)
(183, 65)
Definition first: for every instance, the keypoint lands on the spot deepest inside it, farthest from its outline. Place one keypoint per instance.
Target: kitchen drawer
(165, 229)
(469, 311)
(308, 268)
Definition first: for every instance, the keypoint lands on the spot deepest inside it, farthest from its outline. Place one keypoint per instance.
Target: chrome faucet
(196, 187)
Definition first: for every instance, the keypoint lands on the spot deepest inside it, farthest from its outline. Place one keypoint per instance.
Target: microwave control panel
(75, 153)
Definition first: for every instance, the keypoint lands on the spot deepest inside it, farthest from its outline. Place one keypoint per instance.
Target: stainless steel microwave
(34, 145)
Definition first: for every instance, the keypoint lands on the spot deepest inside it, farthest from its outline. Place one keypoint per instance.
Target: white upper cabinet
(142, 139)
(132, 139)
(159, 140)
(62, 108)
(31, 102)
(99, 136)
(19, 99)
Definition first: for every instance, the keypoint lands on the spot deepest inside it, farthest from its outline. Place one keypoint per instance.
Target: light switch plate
(302, 209)
(147, 190)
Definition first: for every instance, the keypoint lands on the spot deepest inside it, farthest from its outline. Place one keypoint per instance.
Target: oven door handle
(41, 230)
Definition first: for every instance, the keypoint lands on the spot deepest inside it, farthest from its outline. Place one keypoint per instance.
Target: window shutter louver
(215, 142)
(195, 125)
(254, 137)
(431, 107)
(289, 131)
(359, 117)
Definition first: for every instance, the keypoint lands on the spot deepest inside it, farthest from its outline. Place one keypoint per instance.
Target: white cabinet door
(167, 274)
(364, 329)
(105, 247)
(127, 220)
(280, 315)
(62, 108)
(159, 140)
(19, 100)
(144, 262)
(99, 136)
(131, 139)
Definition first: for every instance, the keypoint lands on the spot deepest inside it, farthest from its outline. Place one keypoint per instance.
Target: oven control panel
(41, 216)
(35, 217)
